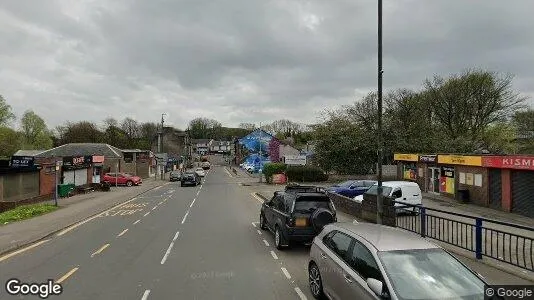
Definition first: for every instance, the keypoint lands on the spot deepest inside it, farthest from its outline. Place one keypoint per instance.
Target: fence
(506, 242)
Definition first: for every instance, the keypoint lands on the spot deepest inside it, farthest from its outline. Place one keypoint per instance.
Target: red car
(122, 179)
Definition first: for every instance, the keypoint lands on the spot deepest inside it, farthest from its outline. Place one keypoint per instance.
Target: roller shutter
(523, 193)
(495, 184)
(68, 177)
(81, 177)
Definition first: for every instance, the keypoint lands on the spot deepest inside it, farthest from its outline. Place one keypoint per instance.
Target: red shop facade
(511, 183)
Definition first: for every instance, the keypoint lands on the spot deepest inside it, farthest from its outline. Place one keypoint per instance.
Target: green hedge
(305, 174)
(271, 169)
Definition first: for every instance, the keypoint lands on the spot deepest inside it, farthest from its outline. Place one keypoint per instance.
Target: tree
(113, 134)
(499, 138)
(6, 116)
(35, 134)
(203, 128)
(80, 132)
(10, 142)
(148, 132)
(464, 105)
(131, 128)
(523, 121)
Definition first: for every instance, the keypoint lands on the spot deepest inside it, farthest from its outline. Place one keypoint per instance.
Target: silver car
(369, 261)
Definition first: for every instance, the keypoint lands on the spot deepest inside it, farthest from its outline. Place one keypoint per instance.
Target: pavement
(173, 242)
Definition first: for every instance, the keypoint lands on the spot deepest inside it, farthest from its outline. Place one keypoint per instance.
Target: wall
(477, 195)
(287, 150)
(110, 165)
(346, 205)
(19, 186)
(47, 180)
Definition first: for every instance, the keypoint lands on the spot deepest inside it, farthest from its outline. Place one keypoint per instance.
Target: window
(397, 193)
(363, 262)
(340, 243)
(357, 184)
(277, 203)
(327, 238)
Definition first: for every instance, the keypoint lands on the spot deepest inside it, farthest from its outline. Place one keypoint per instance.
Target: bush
(271, 169)
(305, 174)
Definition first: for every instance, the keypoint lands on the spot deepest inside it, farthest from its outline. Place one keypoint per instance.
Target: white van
(403, 191)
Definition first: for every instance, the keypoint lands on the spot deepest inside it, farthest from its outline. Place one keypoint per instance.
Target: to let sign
(22, 161)
(509, 162)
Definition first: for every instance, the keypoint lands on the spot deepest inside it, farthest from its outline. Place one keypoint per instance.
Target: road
(172, 243)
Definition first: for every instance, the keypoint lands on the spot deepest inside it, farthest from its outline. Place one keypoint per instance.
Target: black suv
(190, 178)
(297, 214)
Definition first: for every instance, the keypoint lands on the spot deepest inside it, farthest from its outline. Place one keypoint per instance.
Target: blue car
(352, 188)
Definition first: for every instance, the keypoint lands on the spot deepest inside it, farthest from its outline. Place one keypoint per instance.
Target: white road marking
(288, 276)
(123, 232)
(2, 258)
(259, 232)
(100, 250)
(257, 197)
(254, 224)
(64, 277)
(159, 187)
(226, 170)
(148, 213)
(160, 203)
(154, 207)
(266, 243)
(198, 192)
(185, 217)
(137, 222)
(301, 294)
(134, 198)
(193, 202)
(145, 295)
(170, 248)
(274, 255)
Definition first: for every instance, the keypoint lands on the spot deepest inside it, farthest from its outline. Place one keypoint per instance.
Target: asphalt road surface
(172, 243)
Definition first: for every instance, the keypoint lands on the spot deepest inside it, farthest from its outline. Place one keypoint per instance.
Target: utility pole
(160, 145)
(261, 156)
(379, 198)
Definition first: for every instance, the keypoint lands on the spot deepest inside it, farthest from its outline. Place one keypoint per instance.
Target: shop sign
(427, 158)
(77, 161)
(509, 162)
(405, 157)
(446, 181)
(447, 172)
(460, 160)
(22, 161)
(98, 159)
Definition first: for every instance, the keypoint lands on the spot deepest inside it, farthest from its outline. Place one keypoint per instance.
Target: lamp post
(380, 200)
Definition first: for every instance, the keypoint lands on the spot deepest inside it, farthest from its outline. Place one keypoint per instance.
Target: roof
(133, 150)
(386, 238)
(395, 184)
(28, 152)
(82, 149)
(201, 141)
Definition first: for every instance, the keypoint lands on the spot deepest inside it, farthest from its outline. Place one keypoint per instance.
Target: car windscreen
(345, 184)
(307, 203)
(374, 190)
(189, 175)
(430, 274)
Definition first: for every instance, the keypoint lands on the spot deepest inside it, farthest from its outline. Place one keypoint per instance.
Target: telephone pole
(160, 146)
(379, 198)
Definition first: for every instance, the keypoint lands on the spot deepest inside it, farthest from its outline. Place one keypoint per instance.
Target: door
(80, 177)
(68, 177)
(361, 266)
(522, 191)
(433, 180)
(97, 171)
(268, 212)
(495, 183)
(333, 273)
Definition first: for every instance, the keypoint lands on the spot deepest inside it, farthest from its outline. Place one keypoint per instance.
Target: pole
(261, 156)
(56, 169)
(161, 145)
(380, 200)
(116, 174)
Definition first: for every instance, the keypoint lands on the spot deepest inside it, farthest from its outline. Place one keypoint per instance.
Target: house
(138, 162)
(201, 146)
(221, 147)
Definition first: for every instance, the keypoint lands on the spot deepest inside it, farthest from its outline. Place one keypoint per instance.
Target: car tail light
(291, 221)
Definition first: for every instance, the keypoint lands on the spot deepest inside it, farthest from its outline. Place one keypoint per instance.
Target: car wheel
(129, 183)
(262, 222)
(278, 239)
(316, 283)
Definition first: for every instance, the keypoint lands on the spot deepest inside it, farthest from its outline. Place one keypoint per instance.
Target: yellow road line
(2, 258)
(100, 250)
(256, 197)
(69, 273)
(123, 232)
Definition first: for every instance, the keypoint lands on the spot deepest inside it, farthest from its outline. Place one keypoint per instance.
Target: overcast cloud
(243, 60)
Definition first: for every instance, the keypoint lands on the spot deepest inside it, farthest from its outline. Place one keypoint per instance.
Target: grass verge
(25, 212)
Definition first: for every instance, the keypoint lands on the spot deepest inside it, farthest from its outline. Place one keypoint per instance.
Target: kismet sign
(509, 162)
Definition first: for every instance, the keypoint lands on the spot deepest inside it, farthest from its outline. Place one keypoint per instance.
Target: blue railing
(506, 242)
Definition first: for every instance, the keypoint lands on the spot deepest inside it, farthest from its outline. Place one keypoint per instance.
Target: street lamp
(380, 200)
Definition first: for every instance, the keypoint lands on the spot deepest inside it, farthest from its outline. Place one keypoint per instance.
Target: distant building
(221, 147)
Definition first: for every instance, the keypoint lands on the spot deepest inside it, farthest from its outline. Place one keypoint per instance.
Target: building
(501, 182)
(138, 162)
(223, 147)
(201, 146)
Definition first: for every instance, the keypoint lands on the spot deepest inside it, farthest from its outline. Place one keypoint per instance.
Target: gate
(495, 188)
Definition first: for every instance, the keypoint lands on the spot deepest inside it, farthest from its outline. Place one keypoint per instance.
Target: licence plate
(301, 222)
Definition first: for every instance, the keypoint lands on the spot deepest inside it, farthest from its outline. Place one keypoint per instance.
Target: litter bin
(462, 196)
(63, 190)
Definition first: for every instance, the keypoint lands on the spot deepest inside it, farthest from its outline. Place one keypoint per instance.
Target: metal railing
(506, 242)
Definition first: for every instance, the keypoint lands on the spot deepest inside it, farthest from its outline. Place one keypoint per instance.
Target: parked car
(297, 214)
(175, 176)
(352, 188)
(200, 172)
(121, 179)
(370, 261)
(206, 165)
(403, 191)
(190, 178)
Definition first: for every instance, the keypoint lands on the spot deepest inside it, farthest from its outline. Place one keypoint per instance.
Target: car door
(356, 189)
(360, 266)
(333, 262)
(268, 211)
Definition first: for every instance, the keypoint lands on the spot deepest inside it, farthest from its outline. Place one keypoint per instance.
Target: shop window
(409, 171)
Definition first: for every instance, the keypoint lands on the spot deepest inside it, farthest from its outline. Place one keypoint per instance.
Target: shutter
(81, 177)
(522, 191)
(69, 177)
(495, 184)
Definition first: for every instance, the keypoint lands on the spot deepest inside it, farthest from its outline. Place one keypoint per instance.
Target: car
(372, 261)
(200, 172)
(402, 191)
(175, 176)
(352, 188)
(190, 178)
(206, 165)
(121, 179)
(296, 214)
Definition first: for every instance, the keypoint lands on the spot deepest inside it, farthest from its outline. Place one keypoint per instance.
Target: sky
(244, 61)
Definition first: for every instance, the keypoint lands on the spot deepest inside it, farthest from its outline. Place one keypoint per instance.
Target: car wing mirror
(375, 285)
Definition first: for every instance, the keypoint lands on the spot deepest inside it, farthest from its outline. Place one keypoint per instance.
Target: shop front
(431, 173)
(75, 170)
(515, 174)
(98, 165)
(406, 166)
(452, 170)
